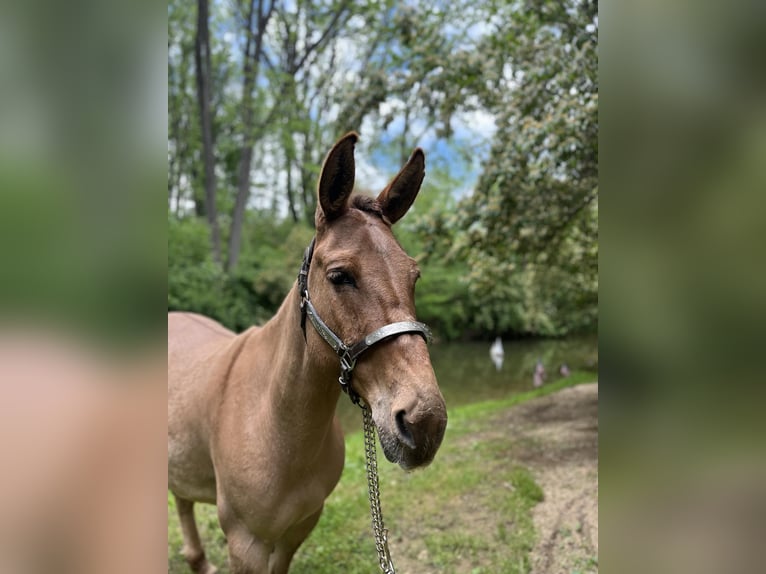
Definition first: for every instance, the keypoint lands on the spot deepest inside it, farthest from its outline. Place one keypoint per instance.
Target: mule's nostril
(405, 434)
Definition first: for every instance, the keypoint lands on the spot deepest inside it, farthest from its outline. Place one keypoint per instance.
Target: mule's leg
(247, 555)
(192, 550)
(286, 547)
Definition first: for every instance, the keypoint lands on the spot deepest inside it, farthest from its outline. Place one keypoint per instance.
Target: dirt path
(558, 435)
(556, 438)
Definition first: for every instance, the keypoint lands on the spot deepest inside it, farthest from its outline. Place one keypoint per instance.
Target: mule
(251, 417)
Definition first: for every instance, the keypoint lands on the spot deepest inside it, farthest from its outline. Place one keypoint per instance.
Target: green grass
(468, 512)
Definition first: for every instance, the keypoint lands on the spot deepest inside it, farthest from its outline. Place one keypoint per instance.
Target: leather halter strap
(348, 355)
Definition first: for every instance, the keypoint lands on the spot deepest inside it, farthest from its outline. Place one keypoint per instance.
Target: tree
(204, 73)
(183, 112)
(531, 224)
(285, 79)
(256, 23)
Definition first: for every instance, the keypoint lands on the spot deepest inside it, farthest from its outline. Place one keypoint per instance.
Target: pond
(466, 374)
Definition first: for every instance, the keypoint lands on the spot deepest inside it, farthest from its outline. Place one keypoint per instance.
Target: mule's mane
(369, 205)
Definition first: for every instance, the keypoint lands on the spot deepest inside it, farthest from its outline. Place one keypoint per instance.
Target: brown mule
(251, 417)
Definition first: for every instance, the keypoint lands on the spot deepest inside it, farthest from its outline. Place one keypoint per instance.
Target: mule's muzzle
(414, 435)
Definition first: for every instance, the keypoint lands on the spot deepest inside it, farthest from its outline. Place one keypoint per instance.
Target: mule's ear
(397, 198)
(336, 181)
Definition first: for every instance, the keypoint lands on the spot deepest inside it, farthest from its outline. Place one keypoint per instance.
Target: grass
(469, 512)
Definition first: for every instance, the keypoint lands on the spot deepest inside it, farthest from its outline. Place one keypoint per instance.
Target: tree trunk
(200, 205)
(202, 62)
(251, 64)
(308, 181)
(288, 146)
(289, 161)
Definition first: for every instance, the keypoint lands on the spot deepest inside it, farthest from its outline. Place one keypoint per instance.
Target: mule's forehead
(360, 236)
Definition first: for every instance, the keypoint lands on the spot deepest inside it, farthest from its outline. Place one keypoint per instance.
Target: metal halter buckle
(347, 365)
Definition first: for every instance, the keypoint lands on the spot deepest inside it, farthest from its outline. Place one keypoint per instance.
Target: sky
(472, 131)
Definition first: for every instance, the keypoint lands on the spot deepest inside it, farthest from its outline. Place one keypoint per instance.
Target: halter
(348, 355)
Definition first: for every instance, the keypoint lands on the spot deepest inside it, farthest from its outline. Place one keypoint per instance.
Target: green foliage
(196, 283)
(442, 300)
(273, 262)
(518, 255)
(253, 291)
(528, 234)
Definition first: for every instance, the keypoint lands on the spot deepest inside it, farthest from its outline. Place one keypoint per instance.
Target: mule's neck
(303, 385)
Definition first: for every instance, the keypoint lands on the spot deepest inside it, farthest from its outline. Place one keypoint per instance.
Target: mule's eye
(340, 277)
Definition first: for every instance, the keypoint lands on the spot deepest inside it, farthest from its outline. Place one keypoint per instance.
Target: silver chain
(371, 461)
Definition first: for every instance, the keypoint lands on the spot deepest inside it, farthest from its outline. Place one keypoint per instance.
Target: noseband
(348, 355)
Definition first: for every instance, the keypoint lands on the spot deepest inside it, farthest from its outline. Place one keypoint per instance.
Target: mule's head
(360, 280)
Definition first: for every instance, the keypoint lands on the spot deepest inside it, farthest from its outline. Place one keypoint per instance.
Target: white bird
(496, 353)
(539, 376)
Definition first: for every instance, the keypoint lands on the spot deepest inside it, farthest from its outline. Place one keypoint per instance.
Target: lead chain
(371, 460)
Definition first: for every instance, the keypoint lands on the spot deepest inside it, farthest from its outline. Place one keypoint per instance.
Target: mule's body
(234, 438)
(251, 423)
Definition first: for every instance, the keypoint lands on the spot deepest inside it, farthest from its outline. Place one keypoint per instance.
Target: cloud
(369, 177)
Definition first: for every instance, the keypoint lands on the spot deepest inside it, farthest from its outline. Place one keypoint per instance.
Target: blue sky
(472, 136)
